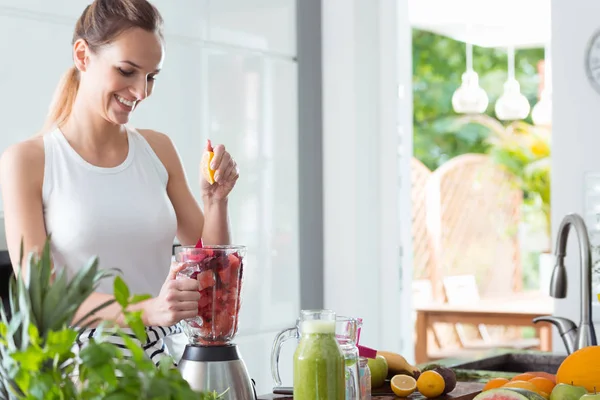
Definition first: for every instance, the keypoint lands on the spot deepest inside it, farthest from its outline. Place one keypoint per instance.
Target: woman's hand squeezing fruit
(177, 300)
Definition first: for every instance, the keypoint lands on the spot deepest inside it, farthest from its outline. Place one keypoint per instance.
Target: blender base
(219, 368)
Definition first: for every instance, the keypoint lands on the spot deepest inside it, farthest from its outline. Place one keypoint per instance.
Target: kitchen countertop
(462, 375)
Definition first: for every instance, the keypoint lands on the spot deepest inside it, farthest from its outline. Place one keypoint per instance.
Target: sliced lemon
(207, 172)
(403, 385)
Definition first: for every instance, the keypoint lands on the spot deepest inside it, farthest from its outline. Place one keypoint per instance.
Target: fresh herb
(212, 395)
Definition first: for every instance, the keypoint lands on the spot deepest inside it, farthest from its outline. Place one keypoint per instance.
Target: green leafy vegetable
(36, 344)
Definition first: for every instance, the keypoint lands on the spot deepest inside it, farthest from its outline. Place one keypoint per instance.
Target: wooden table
(517, 310)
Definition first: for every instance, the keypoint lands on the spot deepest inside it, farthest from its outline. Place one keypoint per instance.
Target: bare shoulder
(155, 138)
(163, 147)
(24, 160)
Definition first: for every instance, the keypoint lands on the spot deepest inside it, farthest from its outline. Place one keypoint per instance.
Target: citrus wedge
(207, 172)
(403, 385)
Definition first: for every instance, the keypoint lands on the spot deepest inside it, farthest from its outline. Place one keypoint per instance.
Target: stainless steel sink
(515, 362)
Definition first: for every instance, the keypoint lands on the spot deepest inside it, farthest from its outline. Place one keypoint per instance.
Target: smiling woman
(103, 188)
(104, 41)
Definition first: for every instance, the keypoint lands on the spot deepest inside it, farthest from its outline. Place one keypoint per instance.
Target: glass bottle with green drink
(319, 365)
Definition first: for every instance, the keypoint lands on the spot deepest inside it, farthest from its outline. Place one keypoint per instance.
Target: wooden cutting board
(462, 391)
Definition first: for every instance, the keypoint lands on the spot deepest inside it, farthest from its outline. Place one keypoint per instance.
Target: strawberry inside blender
(219, 275)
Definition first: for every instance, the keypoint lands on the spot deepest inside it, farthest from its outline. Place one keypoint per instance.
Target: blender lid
(228, 352)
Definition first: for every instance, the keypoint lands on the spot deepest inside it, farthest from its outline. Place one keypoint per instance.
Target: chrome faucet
(573, 337)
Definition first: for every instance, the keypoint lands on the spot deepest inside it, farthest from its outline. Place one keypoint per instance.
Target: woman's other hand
(177, 300)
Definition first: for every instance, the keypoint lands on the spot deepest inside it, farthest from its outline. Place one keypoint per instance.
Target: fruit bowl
(219, 271)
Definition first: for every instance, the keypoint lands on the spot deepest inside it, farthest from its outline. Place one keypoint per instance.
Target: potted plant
(36, 343)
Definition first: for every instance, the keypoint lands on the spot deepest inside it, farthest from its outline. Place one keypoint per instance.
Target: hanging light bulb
(512, 105)
(470, 98)
(542, 111)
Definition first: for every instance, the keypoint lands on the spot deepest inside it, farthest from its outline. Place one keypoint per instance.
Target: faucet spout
(584, 335)
(566, 329)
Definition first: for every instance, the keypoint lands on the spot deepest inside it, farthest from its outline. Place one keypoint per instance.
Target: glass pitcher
(346, 333)
(319, 365)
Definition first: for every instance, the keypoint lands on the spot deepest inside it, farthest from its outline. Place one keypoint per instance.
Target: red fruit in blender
(204, 301)
(230, 275)
(223, 325)
(219, 295)
(194, 256)
(225, 276)
(206, 279)
(219, 283)
(234, 260)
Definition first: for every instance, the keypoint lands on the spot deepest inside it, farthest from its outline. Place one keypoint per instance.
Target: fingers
(186, 285)
(225, 167)
(226, 162)
(219, 151)
(183, 296)
(191, 306)
(187, 314)
(175, 268)
(173, 316)
(232, 173)
(209, 145)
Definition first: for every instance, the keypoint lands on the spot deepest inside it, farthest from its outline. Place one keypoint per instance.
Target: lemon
(207, 172)
(403, 385)
(431, 384)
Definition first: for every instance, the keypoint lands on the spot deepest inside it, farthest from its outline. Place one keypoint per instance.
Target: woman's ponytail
(63, 99)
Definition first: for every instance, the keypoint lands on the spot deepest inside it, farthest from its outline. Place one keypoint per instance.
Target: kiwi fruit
(449, 378)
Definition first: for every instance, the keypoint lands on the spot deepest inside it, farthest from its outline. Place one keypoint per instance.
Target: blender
(210, 361)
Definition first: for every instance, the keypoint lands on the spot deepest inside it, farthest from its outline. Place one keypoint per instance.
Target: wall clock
(592, 61)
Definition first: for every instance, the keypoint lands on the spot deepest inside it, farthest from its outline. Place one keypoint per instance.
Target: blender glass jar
(219, 271)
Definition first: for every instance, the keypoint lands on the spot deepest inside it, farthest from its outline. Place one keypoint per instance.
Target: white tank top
(123, 214)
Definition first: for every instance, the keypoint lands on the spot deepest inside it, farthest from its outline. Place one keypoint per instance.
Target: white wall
(576, 140)
(230, 74)
(366, 59)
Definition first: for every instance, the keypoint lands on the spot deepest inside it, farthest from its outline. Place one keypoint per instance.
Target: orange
(523, 377)
(403, 385)
(543, 384)
(431, 384)
(495, 383)
(581, 368)
(523, 385)
(540, 374)
(207, 172)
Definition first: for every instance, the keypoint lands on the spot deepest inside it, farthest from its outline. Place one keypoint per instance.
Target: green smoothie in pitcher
(319, 369)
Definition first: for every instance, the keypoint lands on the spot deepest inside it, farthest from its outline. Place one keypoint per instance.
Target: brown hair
(99, 24)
